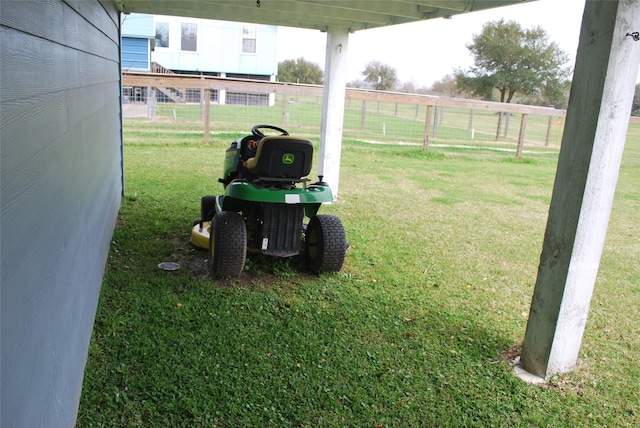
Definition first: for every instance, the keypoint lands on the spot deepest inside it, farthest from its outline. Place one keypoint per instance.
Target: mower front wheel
(325, 244)
(227, 245)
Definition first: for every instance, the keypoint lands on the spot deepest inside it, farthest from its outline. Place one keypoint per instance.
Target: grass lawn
(416, 330)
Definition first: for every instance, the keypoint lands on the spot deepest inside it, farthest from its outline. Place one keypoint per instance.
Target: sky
(426, 51)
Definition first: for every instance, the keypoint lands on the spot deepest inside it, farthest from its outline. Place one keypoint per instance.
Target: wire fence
(175, 108)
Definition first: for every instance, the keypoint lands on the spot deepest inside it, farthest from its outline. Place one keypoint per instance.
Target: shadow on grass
(279, 347)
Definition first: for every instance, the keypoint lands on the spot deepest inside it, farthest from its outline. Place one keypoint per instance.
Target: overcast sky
(426, 51)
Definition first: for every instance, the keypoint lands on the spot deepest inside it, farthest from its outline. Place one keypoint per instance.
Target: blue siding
(61, 187)
(135, 53)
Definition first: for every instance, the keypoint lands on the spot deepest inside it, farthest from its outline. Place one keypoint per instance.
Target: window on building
(189, 37)
(249, 38)
(193, 95)
(162, 34)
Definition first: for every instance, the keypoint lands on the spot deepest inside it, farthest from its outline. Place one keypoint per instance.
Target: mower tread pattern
(229, 237)
(330, 242)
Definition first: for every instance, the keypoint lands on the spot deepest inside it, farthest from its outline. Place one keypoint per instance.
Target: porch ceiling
(315, 14)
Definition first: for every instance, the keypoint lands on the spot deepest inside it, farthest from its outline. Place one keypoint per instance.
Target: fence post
(548, 137)
(499, 126)
(207, 116)
(435, 122)
(364, 115)
(470, 120)
(417, 111)
(427, 124)
(285, 117)
(523, 129)
(506, 125)
(151, 102)
(202, 100)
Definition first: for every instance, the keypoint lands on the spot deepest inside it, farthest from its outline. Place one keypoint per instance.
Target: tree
(300, 71)
(380, 76)
(514, 60)
(411, 87)
(448, 86)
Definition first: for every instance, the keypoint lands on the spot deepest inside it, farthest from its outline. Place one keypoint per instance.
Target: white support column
(597, 119)
(335, 84)
(272, 95)
(222, 93)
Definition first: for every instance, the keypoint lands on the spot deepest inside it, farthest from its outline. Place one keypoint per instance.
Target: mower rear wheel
(325, 244)
(227, 245)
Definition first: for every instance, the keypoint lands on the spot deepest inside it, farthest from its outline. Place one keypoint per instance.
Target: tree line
(511, 64)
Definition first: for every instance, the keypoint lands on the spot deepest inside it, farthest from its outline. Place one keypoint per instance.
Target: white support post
(272, 95)
(335, 84)
(222, 93)
(597, 119)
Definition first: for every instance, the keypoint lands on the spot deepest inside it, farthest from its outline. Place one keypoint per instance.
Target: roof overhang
(314, 14)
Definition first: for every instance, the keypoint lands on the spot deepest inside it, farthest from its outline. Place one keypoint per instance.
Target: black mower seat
(282, 157)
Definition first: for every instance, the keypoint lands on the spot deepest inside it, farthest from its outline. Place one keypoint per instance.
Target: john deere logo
(288, 158)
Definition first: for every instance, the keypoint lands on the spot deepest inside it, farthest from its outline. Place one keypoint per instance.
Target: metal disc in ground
(169, 265)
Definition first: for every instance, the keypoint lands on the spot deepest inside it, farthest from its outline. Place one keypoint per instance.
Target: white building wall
(219, 48)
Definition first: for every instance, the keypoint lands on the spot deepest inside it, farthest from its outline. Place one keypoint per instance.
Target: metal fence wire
(187, 107)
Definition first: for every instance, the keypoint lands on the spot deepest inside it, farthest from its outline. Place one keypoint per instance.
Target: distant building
(171, 44)
(138, 33)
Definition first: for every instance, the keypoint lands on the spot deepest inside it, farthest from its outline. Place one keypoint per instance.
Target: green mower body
(267, 197)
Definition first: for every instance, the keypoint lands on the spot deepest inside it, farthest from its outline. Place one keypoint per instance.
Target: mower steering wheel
(257, 133)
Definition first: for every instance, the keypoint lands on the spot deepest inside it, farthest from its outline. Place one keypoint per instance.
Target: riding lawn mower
(267, 196)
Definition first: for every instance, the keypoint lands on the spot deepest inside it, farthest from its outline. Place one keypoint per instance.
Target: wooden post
(499, 126)
(548, 137)
(506, 124)
(417, 111)
(595, 131)
(470, 120)
(427, 124)
(207, 116)
(285, 118)
(203, 101)
(435, 122)
(363, 120)
(523, 128)
(151, 102)
(332, 119)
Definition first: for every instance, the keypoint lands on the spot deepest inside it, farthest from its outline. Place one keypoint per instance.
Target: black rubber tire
(227, 245)
(325, 244)
(207, 207)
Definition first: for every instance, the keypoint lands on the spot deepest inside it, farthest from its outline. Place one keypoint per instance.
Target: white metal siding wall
(219, 45)
(61, 183)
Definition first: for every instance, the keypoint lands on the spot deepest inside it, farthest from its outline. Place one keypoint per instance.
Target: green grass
(415, 330)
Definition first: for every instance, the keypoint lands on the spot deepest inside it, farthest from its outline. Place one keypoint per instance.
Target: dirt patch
(192, 260)
(260, 271)
(510, 354)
